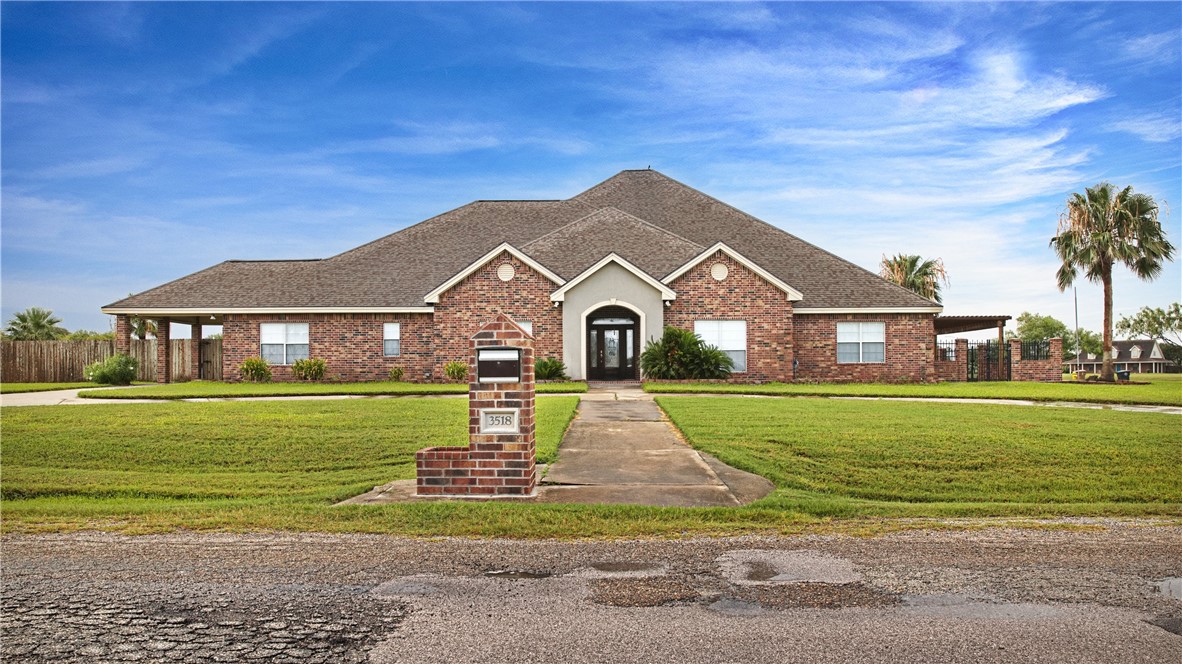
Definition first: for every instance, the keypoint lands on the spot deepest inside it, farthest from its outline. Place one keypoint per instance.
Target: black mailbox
(498, 365)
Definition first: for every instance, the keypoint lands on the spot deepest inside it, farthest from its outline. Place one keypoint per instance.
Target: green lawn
(853, 458)
(17, 388)
(203, 389)
(281, 465)
(1156, 389)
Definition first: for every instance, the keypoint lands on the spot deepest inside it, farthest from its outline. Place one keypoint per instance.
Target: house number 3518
(502, 421)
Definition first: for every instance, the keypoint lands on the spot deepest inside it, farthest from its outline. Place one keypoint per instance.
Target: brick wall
(909, 354)
(1045, 371)
(350, 344)
(482, 295)
(742, 295)
(503, 464)
(955, 369)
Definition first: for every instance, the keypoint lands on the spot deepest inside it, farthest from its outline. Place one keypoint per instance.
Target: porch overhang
(957, 324)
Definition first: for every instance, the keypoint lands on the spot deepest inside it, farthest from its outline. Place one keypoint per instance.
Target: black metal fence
(946, 351)
(989, 361)
(1036, 350)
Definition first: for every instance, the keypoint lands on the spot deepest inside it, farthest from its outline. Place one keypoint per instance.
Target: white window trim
(385, 338)
(861, 343)
(746, 352)
(286, 362)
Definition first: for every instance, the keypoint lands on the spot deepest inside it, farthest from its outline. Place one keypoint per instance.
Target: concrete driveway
(622, 449)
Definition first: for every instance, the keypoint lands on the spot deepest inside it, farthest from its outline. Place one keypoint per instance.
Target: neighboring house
(592, 277)
(1137, 356)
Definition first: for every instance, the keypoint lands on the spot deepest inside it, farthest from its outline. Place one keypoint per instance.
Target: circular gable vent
(719, 271)
(506, 271)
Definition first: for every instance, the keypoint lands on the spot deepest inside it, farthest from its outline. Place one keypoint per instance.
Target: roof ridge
(781, 230)
(596, 211)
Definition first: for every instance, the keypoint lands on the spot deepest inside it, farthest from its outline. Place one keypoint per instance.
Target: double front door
(612, 347)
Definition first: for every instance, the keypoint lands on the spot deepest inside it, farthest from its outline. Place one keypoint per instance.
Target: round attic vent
(506, 271)
(719, 271)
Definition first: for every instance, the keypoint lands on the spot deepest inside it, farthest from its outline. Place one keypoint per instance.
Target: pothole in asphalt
(1171, 625)
(651, 591)
(624, 567)
(762, 567)
(405, 586)
(516, 574)
(1171, 587)
(816, 596)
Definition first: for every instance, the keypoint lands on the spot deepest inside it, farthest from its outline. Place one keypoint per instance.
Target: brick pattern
(482, 296)
(350, 344)
(742, 295)
(1044, 371)
(123, 334)
(163, 350)
(909, 355)
(955, 370)
(492, 464)
(195, 352)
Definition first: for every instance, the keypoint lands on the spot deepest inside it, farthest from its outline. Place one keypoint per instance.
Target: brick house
(1134, 356)
(592, 277)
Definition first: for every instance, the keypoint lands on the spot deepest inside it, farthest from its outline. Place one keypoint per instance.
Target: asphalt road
(1090, 594)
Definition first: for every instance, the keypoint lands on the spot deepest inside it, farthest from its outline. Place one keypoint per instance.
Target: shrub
(550, 368)
(255, 370)
(457, 371)
(680, 354)
(309, 369)
(396, 374)
(115, 370)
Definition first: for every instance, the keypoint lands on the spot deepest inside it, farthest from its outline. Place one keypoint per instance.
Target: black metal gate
(989, 360)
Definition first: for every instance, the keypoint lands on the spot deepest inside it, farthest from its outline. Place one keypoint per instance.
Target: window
(392, 339)
(1135, 352)
(284, 343)
(730, 336)
(861, 342)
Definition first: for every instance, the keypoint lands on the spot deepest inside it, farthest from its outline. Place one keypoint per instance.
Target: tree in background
(924, 278)
(88, 335)
(1103, 227)
(1163, 325)
(34, 324)
(142, 327)
(1035, 327)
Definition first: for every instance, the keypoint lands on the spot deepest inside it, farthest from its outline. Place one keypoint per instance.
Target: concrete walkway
(621, 449)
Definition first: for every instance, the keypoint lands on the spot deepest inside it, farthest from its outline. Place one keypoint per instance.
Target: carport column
(195, 351)
(163, 351)
(962, 360)
(122, 334)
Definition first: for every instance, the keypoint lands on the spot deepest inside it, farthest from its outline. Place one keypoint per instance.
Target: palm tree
(1101, 228)
(35, 324)
(142, 327)
(924, 278)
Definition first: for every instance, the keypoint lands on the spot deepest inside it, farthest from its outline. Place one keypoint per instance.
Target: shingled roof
(651, 220)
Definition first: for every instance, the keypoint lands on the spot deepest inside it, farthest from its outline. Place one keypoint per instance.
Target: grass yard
(852, 458)
(18, 388)
(251, 466)
(205, 389)
(1159, 389)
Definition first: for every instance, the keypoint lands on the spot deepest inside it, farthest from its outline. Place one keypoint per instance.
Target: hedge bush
(255, 370)
(115, 370)
(309, 369)
(680, 355)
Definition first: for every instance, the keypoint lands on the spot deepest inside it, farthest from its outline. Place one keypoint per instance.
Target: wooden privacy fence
(63, 361)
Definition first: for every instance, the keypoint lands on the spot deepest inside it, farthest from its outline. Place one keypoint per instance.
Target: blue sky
(145, 141)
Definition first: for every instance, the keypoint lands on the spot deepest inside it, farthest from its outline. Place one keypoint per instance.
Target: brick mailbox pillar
(500, 457)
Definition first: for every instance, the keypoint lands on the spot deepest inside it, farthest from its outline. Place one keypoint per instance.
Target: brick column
(500, 459)
(163, 351)
(962, 360)
(122, 334)
(195, 351)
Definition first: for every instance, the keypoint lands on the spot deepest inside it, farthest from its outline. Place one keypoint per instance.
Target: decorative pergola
(957, 324)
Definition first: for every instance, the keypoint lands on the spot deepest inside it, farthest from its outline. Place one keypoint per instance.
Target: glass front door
(611, 345)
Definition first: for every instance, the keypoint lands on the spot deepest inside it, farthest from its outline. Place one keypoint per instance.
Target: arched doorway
(613, 340)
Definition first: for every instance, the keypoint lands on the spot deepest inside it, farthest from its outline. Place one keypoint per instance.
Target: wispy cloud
(1152, 128)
